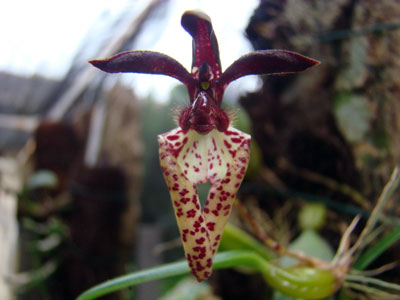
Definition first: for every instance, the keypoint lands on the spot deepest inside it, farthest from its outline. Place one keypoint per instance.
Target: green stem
(306, 283)
(235, 238)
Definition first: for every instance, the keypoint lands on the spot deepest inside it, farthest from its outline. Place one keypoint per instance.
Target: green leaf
(303, 282)
(188, 289)
(221, 260)
(377, 249)
(312, 244)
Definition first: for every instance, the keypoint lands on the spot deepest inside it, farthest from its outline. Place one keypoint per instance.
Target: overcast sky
(47, 38)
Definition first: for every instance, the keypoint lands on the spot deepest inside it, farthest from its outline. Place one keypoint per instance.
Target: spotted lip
(188, 159)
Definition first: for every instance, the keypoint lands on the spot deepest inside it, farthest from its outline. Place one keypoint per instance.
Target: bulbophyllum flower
(205, 147)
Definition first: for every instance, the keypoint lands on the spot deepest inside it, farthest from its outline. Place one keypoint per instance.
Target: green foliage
(292, 281)
(307, 283)
(188, 289)
(312, 216)
(312, 244)
(235, 238)
(377, 249)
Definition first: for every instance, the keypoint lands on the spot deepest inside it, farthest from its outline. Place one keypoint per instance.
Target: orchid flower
(205, 147)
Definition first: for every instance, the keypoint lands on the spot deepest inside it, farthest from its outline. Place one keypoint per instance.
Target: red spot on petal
(209, 263)
(222, 198)
(173, 137)
(210, 226)
(185, 200)
(183, 192)
(231, 132)
(228, 145)
(199, 267)
(190, 213)
(243, 159)
(214, 144)
(226, 180)
(236, 140)
(200, 241)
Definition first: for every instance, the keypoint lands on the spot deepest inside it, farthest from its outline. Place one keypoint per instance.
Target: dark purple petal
(148, 62)
(205, 45)
(265, 62)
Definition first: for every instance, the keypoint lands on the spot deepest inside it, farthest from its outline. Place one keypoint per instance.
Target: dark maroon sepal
(205, 45)
(148, 62)
(265, 62)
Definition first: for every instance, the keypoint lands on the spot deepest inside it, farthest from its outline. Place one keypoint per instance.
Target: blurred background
(82, 198)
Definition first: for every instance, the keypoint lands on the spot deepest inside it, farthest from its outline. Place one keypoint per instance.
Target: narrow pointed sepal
(147, 62)
(265, 62)
(188, 158)
(205, 44)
